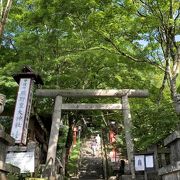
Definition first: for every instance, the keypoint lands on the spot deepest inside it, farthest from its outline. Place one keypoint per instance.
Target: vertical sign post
(22, 111)
(26, 81)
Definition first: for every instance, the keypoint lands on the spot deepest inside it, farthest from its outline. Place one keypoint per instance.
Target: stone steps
(90, 166)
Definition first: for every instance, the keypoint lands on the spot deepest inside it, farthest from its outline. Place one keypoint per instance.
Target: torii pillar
(128, 137)
(53, 141)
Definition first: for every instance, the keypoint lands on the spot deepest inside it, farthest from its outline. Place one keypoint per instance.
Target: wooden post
(128, 137)
(56, 120)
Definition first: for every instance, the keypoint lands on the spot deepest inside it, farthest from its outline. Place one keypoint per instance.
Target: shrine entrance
(123, 94)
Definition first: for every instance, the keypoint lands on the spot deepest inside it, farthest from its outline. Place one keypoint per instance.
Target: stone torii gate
(124, 94)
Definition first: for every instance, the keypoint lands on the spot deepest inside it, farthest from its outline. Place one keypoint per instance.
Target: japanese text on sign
(22, 106)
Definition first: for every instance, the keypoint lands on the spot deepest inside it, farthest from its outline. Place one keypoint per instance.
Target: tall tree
(148, 29)
(163, 25)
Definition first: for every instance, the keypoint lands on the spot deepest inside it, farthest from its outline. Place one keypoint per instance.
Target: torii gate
(124, 94)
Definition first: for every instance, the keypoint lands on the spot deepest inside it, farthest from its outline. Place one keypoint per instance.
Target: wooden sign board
(23, 160)
(22, 111)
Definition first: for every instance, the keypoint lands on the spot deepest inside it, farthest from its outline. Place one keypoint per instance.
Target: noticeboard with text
(144, 162)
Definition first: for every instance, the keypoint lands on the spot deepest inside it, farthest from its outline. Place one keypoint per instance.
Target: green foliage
(93, 44)
(150, 119)
(73, 160)
(15, 176)
(62, 141)
(11, 176)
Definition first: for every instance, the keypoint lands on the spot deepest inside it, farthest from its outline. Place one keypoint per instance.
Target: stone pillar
(172, 171)
(128, 137)
(177, 103)
(163, 160)
(173, 141)
(56, 121)
(5, 140)
(2, 102)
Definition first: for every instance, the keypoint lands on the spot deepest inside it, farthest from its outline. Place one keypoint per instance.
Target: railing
(54, 168)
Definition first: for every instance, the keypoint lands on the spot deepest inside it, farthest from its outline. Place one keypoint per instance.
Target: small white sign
(149, 161)
(20, 119)
(23, 160)
(139, 163)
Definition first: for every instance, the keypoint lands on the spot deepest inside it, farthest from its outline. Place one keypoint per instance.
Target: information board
(144, 162)
(149, 161)
(139, 163)
(23, 160)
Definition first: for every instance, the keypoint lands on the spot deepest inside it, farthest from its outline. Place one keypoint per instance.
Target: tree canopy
(98, 44)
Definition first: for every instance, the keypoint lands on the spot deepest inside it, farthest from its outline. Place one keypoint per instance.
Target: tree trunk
(4, 17)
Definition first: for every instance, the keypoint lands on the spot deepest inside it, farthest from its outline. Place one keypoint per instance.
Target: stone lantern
(5, 141)
(2, 102)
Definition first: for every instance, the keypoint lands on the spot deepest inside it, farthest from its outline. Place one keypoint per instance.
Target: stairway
(91, 166)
